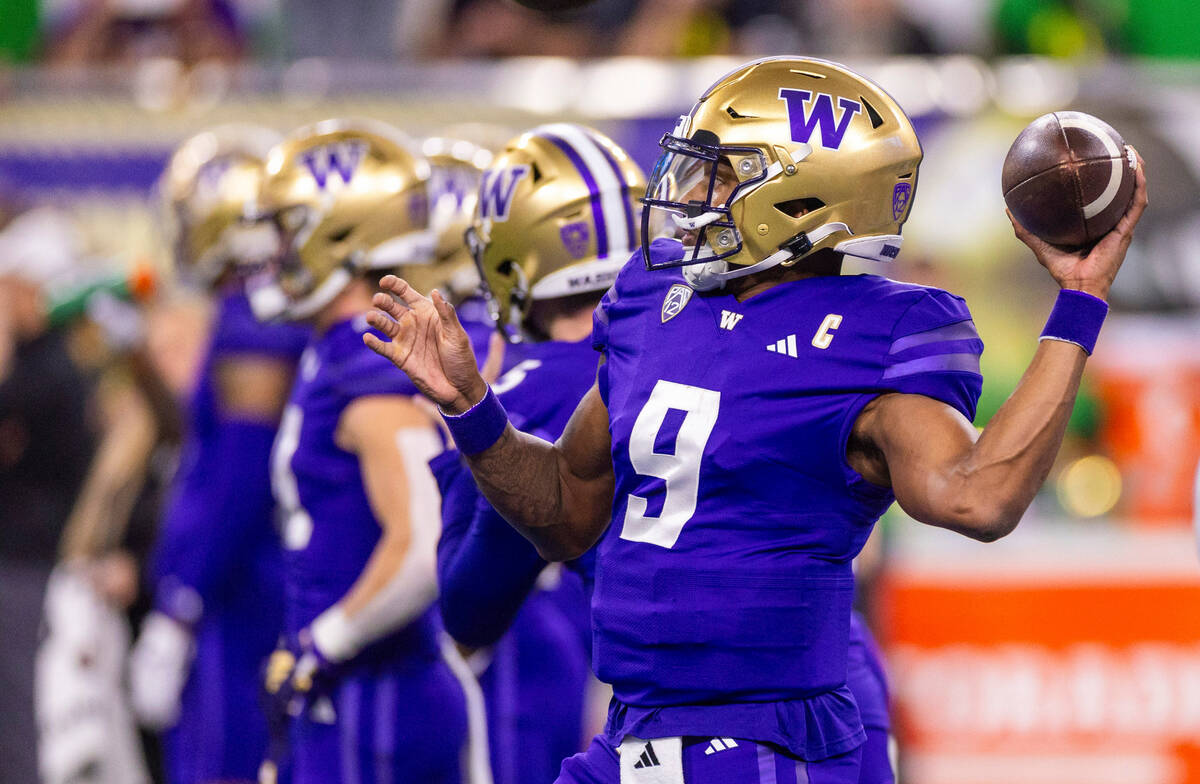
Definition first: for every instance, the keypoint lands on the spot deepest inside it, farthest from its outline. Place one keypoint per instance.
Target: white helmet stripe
(611, 190)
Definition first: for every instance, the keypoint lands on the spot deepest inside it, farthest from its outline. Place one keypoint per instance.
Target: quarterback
(754, 413)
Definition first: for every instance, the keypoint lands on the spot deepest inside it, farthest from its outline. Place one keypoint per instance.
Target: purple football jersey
(329, 530)
(723, 586)
(226, 554)
(181, 565)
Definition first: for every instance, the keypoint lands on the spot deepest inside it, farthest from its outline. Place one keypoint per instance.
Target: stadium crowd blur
(90, 391)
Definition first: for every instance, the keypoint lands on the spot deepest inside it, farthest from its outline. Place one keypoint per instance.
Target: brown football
(1069, 178)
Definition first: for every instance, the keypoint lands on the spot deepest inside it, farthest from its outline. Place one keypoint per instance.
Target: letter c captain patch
(673, 303)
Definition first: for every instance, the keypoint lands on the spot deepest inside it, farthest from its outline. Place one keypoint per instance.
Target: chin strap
(713, 274)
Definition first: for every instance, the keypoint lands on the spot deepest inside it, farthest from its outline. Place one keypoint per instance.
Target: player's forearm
(529, 482)
(398, 584)
(999, 476)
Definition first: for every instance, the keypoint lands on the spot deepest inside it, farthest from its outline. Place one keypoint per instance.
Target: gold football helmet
(347, 196)
(557, 216)
(205, 189)
(780, 158)
(455, 168)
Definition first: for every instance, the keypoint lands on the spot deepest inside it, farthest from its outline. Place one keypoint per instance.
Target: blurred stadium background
(1068, 653)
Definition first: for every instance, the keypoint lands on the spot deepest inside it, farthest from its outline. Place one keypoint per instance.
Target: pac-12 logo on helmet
(496, 191)
(342, 157)
(807, 113)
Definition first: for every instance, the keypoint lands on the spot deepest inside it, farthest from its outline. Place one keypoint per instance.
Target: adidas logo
(648, 759)
(729, 320)
(720, 744)
(784, 346)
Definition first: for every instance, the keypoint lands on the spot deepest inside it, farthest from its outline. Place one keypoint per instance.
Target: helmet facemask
(691, 195)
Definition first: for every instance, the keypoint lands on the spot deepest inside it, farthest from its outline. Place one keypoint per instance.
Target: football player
(374, 691)
(556, 222)
(537, 244)
(755, 412)
(218, 592)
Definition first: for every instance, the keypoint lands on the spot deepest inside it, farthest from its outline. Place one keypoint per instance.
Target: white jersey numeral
(515, 375)
(680, 470)
(296, 525)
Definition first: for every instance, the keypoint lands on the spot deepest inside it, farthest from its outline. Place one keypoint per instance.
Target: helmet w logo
(808, 113)
(341, 157)
(496, 191)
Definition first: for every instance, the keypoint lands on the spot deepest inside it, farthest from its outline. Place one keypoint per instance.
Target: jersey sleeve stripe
(963, 330)
(939, 363)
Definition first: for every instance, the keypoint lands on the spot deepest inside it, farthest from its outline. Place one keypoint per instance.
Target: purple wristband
(1076, 318)
(480, 426)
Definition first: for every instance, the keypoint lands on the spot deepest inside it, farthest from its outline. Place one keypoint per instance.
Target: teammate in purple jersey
(547, 247)
(755, 413)
(375, 691)
(219, 596)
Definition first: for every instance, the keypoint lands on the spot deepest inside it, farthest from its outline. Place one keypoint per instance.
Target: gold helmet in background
(456, 166)
(205, 189)
(347, 196)
(820, 157)
(557, 216)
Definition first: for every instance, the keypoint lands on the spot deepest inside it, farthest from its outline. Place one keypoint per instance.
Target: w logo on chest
(729, 320)
(808, 113)
(340, 157)
(496, 191)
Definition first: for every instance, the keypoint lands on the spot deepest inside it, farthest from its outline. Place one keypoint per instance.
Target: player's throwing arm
(941, 471)
(557, 495)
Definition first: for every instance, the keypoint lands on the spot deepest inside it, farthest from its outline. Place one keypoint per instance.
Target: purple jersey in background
(397, 711)
(217, 544)
(723, 586)
(538, 634)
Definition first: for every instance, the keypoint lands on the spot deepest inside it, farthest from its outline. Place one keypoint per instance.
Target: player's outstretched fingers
(388, 304)
(372, 342)
(445, 310)
(399, 286)
(381, 322)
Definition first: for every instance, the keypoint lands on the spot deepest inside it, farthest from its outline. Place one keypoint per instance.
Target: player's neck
(572, 327)
(820, 264)
(354, 300)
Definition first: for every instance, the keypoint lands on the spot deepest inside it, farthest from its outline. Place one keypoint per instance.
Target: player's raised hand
(1095, 270)
(427, 342)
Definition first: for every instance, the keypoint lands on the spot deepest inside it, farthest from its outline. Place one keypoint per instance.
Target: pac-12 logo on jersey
(677, 297)
(496, 191)
(807, 113)
(341, 157)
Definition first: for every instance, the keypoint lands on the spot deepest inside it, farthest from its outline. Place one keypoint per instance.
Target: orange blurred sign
(1067, 656)
(1146, 373)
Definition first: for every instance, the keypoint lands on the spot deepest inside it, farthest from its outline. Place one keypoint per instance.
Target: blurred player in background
(455, 170)
(556, 220)
(196, 668)
(755, 413)
(374, 689)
